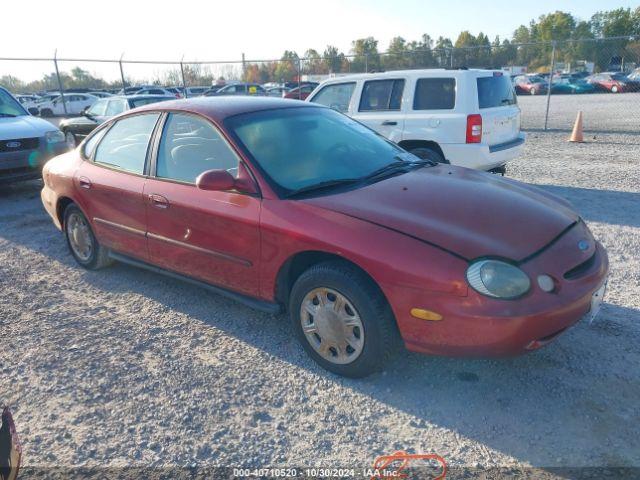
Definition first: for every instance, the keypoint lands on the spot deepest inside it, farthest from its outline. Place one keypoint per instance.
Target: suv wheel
(426, 153)
(342, 320)
(82, 242)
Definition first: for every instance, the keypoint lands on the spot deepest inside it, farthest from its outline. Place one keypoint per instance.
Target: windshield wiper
(7, 115)
(322, 185)
(401, 166)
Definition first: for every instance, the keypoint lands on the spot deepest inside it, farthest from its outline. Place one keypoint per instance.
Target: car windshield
(619, 76)
(9, 106)
(536, 79)
(300, 148)
(138, 102)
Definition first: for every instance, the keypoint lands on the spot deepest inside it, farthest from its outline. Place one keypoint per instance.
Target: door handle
(85, 182)
(158, 201)
(389, 123)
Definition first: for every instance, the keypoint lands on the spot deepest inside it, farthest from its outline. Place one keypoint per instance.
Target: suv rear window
(495, 91)
(381, 95)
(435, 94)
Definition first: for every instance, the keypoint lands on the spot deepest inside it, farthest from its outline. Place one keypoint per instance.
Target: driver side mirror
(215, 180)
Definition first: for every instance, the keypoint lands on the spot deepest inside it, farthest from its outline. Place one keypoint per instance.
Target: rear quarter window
(495, 91)
(435, 94)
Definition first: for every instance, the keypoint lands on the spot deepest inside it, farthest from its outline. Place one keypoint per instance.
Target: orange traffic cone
(576, 135)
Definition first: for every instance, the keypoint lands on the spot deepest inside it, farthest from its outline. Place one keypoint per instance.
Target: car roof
(220, 108)
(137, 96)
(408, 73)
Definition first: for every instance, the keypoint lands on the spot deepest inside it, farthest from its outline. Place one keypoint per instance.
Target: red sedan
(290, 206)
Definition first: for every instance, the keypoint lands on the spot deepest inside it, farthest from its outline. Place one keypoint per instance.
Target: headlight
(497, 279)
(55, 136)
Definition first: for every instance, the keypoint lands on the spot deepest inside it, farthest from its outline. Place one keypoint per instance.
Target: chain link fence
(600, 77)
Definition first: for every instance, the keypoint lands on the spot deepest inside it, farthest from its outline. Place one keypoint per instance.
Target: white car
(75, 103)
(468, 118)
(159, 91)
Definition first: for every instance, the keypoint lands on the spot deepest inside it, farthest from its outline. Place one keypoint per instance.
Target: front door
(380, 105)
(111, 185)
(212, 236)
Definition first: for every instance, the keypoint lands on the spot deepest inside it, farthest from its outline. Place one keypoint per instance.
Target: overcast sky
(223, 30)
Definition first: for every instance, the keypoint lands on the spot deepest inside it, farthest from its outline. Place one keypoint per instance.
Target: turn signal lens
(423, 314)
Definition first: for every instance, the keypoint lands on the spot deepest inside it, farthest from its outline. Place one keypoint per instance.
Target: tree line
(530, 46)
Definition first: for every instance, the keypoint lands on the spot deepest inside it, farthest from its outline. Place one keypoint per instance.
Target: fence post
(124, 83)
(55, 62)
(553, 66)
(299, 79)
(366, 63)
(451, 56)
(244, 69)
(184, 83)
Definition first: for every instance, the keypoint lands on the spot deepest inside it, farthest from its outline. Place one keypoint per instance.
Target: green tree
(366, 55)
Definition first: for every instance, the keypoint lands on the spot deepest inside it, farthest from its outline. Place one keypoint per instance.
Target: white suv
(464, 117)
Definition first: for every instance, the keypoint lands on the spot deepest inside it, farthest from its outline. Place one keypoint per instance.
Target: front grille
(19, 144)
(580, 270)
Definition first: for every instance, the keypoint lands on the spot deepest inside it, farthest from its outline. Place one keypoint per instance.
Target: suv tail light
(474, 128)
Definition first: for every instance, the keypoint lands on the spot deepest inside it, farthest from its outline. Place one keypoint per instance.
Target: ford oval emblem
(583, 245)
(13, 144)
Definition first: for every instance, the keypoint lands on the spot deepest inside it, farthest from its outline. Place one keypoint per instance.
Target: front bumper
(481, 156)
(479, 326)
(26, 164)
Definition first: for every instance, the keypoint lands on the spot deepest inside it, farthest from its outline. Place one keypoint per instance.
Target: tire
(98, 256)
(614, 89)
(533, 91)
(46, 112)
(374, 339)
(71, 139)
(426, 153)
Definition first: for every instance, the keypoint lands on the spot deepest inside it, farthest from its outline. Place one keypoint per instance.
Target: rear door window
(435, 94)
(381, 95)
(336, 96)
(495, 91)
(126, 143)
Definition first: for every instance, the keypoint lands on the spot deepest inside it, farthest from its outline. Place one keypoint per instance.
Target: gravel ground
(602, 112)
(124, 367)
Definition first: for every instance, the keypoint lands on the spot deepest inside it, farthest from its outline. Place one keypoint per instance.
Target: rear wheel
(614, 89)
(82, 242)
(46, 112)
(426, 153)
(533, 91)
(342, 320)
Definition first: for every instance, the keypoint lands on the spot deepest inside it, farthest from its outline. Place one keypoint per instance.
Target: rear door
(379, 107)
(498, 106)
(110, 185)
(436, 111)
(213, 236)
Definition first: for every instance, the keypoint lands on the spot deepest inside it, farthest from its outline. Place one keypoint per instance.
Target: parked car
(10, 446)
(569, 84)
(301, 92)
(211, 91)
(294, 206)
(240, 89)
(196, 91)
(277, 91)
(530, 84)
(635, 75)
(614, 82)
(77, 128)
(174, 92)
(100, 94)
(464, 117)
(26, 142)
(29, 102)
(75, 104)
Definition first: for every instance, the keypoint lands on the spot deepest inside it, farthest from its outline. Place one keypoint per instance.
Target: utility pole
(124, 83)
(553, 66)
(55, 62)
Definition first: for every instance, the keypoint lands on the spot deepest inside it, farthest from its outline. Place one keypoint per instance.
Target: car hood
(24, 126)
(467, 212)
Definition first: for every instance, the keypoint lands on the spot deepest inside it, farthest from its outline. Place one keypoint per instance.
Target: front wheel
(342, 319)
(533, 91)
(81, 240)
(46, 112)
(614, 89)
